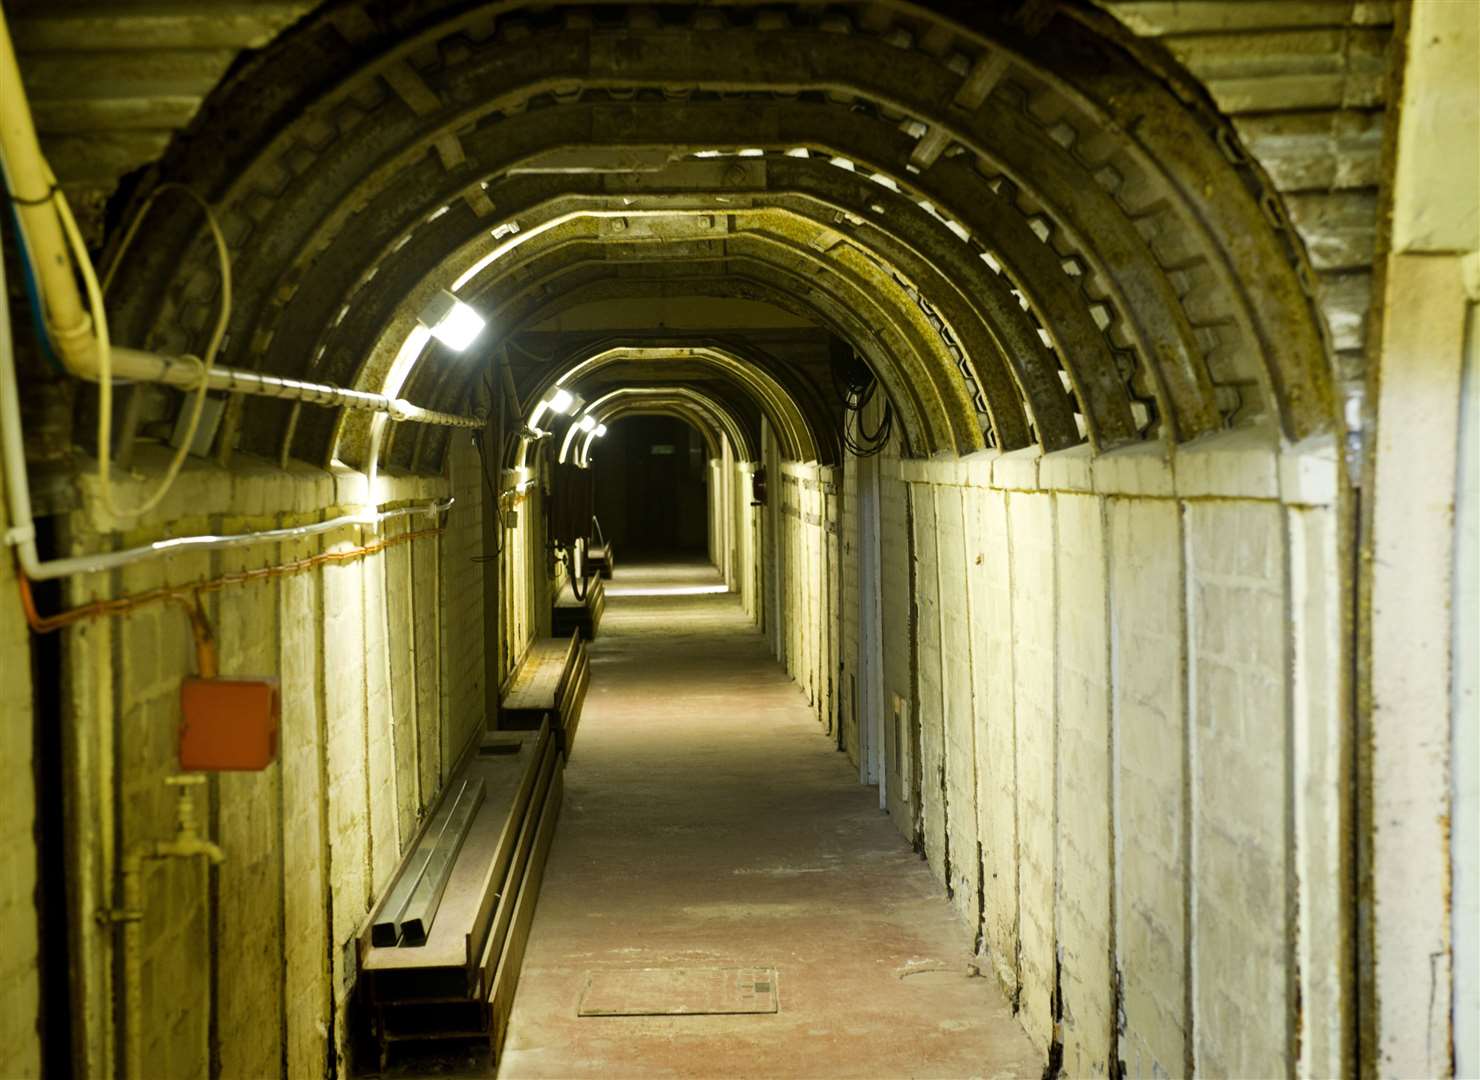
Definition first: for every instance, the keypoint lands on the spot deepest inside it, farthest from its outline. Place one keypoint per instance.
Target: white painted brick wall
(929, 706)
(1319, 756)
(1031, 540)
(306, 840)
(897, 619)
(1240, 926)
(1083, 767)
(20, 1053)
(997, 740)
(958, 707)
(249, 885)
(1128, 660)
(1147, 643)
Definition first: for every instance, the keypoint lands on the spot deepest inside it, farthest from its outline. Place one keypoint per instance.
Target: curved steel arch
(713, 413)
(799, 442)
(1097, 183)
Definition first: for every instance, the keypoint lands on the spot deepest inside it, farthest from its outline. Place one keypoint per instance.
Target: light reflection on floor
(666, 590)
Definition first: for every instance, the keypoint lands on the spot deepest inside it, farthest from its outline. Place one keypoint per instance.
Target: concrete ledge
(802, 470)
(979, 467)
(1309, 472)
(945, 470)
(1247, 464)
(1017, 470)
(1142, 469)
(1230, 464)
(914, 471)
(1067, 470)
(253, 491)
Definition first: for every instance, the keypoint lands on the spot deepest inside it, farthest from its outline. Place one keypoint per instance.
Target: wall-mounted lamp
(561, 401)
(451, 321)
(600, 430)
(587, 423)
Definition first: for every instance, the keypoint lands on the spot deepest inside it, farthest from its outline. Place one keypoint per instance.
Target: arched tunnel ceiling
(1013, 220)
(739, 380)
(709, 416)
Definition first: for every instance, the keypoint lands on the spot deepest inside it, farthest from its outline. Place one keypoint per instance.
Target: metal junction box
(228, 724)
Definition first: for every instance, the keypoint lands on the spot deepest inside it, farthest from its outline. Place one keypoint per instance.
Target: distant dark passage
(651, 486)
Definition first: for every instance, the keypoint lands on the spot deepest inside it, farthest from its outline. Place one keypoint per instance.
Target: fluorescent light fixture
(600, 430)
(588, 423)
(451, 321)
(561, 400)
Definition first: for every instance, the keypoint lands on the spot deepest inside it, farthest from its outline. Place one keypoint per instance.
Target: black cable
(855, 385)
(498, 532)
(578, 587)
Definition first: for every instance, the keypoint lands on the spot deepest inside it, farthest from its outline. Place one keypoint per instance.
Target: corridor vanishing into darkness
(1056, 426)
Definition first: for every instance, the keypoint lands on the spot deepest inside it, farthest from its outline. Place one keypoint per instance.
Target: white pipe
(142, 366)
(187, 844)
(31, 191)
(69, 324)
(112, 560)
(22, 531)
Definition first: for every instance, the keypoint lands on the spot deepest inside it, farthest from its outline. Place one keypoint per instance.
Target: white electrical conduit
(22, 531)
(48, 230)
(133, 364)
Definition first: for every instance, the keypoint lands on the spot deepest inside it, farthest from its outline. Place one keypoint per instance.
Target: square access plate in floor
(679, 992)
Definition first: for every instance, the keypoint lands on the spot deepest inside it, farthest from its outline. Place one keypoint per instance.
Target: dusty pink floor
(709, 823)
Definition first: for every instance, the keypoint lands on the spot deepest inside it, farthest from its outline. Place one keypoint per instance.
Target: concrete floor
(709, 823)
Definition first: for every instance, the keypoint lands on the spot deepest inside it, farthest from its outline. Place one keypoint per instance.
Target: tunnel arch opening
(1077, 293)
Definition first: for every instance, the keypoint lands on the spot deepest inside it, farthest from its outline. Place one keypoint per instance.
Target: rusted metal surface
(1305, 86)
(1163, 284)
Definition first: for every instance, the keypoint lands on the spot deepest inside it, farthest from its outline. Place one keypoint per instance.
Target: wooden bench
(551, 681)
(458, 985)
(584, 614)
(599, 560)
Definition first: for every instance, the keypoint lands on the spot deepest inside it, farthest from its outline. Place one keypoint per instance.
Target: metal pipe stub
(406, 915)
(416, 919)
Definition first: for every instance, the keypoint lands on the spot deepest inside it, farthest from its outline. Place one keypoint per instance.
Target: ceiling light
(451, 321)
(588, 423)
(561, 400)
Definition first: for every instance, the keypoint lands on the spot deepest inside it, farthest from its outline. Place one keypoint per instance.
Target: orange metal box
(228, 724)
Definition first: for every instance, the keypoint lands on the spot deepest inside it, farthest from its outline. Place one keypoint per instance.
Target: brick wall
(20, 997)
(248, 967)
(1105, 722)
(805, 564)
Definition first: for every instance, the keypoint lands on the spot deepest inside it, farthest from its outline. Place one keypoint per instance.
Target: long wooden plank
(508, 896)
(506, 981)
(572, 697)
(536, 682)
(501, 866)
(570, 614)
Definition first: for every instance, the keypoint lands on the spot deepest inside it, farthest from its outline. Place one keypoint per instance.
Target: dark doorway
(651, 477)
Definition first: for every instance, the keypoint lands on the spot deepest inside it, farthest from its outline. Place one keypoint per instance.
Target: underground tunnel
(829, 538)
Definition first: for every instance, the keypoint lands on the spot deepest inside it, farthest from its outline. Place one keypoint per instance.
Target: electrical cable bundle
(493, 500)
(578, 585)
(855, 385)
